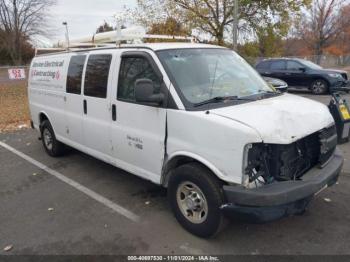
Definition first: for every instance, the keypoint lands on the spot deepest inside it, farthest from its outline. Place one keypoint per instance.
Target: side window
(263, 65)
(75, 73)
(294, 66)
(96, 76)
(278, 65)
(132, 69)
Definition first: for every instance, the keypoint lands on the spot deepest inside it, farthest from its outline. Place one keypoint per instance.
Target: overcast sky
(83, 16)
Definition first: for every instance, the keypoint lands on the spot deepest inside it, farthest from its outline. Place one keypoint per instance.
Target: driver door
(138, 130)
(295, 75)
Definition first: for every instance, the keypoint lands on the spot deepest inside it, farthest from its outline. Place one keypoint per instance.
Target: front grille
(328, 132)
(298, 158)
(328, 143)
(294, 160)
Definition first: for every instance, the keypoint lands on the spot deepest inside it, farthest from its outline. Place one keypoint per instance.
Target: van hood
(280, 120)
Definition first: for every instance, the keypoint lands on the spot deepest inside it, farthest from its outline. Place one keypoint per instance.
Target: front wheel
(195, 196)
(319, 87)
(52, 146)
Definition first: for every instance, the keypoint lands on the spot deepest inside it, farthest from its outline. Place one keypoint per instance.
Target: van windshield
(208, 74)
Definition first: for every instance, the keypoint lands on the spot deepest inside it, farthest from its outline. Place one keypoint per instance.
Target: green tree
(250, 51)
(169, 27)
(270, 39)
(214, 17)
(105, 27)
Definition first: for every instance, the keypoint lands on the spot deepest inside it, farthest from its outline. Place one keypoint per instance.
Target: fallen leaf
(35, 174)
(328, 200)
(28, 144)
(50, 209)
(8, 248)
(147, 202)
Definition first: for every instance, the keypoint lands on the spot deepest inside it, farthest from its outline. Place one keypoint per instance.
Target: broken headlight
(256, 172)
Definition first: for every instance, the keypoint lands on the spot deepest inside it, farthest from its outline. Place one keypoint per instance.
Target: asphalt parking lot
(75, 204)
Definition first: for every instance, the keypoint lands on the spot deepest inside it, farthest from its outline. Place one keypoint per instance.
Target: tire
(204, 217)
(319, 87)
(52, 146)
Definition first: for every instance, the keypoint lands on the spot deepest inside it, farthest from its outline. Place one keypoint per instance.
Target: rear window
(96, 76)
(75, 73)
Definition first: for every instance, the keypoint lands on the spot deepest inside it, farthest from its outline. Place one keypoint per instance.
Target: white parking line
(121, 210)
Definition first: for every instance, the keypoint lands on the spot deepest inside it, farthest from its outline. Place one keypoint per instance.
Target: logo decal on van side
(48, 72)
(49, 64)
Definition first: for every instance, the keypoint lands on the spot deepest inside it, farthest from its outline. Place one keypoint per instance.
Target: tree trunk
(18, 49)
(17, 35)
(318, 53)
(220, 38)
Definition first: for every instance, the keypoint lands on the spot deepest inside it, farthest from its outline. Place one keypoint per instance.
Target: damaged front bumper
(343, 88)
(281, 199)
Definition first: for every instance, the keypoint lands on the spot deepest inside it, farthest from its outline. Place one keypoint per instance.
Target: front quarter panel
(215, 141)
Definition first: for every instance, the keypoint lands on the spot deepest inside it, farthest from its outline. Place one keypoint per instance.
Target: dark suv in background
(302, 73)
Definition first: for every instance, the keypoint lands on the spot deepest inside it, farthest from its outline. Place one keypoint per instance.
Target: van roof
(165, 46)
(152, 46)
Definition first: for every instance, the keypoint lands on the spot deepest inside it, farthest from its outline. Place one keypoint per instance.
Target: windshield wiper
(269, 93)
(219, 99)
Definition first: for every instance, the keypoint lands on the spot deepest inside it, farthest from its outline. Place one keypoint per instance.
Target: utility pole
(235, 25)
(67, 34)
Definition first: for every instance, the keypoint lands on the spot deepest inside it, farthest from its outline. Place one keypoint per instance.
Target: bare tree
(20, 20)
(322, 25)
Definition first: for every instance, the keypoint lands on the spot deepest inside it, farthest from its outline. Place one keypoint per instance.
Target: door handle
(85, 106)
(114, 112)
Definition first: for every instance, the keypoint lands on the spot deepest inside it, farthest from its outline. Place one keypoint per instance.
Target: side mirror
(302, 69)
(144, 92)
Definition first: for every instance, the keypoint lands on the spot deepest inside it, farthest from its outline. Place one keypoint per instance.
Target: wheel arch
(42, 117)
(181, 158)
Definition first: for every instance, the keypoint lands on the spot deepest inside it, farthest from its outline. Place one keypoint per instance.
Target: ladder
(134, 35)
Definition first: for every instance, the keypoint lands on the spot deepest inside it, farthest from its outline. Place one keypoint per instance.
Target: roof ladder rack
(135, 34)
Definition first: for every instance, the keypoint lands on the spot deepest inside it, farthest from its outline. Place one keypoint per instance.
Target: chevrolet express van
(194, 118)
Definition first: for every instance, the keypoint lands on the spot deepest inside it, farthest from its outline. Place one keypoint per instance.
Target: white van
(194, 118)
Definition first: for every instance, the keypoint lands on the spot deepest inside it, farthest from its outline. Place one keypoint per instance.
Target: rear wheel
(52, 146)
(319, 87)
(196, 196)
